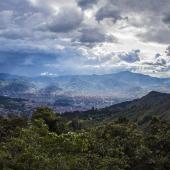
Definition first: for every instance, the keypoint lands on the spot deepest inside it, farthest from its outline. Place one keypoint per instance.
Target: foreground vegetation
(51, 142)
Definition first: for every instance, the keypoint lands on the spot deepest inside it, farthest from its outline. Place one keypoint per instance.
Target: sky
(61, 37)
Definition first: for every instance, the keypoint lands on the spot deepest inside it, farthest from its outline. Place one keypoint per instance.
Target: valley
(80, 92)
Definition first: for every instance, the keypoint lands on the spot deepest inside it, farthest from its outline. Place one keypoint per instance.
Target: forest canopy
(50, 142)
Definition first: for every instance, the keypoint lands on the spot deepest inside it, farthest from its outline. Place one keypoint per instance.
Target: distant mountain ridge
(154, 104)
(142, 110)
(114, 88)
(15, 106)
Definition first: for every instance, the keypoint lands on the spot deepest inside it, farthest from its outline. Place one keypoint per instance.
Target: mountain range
(142, 110)
(15, 106)
(81, 92)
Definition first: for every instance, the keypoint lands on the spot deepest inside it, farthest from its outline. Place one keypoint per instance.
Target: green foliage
(158, 140)
(75, 124)
(9, 126)
(43, 113)
(120, 145)
(54, 121)
(139, 110)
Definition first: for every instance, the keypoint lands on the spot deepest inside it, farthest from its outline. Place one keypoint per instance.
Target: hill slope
(15, 106)
(140, 110)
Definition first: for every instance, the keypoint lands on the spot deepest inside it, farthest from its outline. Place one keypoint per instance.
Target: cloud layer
(84, 36)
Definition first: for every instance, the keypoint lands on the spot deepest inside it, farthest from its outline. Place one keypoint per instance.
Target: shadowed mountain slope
(140, 110)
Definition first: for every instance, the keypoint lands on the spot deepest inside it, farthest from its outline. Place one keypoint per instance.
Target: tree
(54, 121)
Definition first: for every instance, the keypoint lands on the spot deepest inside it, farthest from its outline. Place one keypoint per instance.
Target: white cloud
(94, 47)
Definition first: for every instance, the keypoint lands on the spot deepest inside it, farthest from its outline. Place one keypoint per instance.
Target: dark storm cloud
(166, 19)
(130, 57)
(108, 12)
(92, 36)
(156, 35)
(14, 5)
(14, 34)
(168, 51)
(161, 61)
(150, 6)
(68, 19)
(86, 3)
(158, 62)
(150, 14)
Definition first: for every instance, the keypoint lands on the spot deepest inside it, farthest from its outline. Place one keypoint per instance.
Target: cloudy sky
(57, 37)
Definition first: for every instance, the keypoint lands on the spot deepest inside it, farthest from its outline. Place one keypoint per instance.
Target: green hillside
(132, 135)
(51, 142)
(141, 110)
(14, 106)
